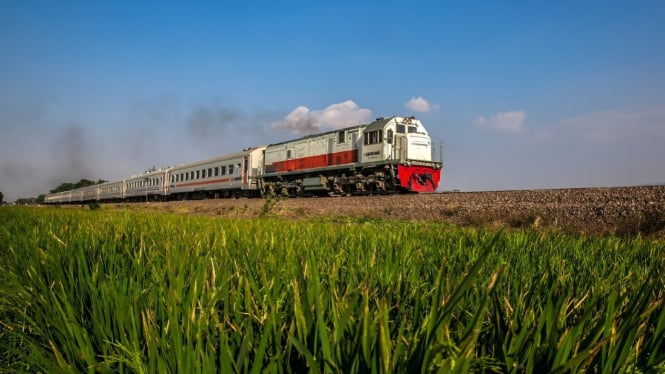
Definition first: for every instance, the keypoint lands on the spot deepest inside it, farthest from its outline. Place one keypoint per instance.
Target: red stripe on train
(319, 161)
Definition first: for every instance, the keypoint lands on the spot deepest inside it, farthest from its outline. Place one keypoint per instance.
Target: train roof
(150, 172)
(227, 156)
(379, 123)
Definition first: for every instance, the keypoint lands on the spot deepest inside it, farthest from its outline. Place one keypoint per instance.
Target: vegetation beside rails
(112, 291)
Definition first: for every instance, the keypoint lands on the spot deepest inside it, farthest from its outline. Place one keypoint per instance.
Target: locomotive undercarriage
(339, 182)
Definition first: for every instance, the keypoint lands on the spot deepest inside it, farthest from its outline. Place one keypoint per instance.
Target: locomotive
(386, 156)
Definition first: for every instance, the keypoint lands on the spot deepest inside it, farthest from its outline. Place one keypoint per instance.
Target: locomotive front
(405, 147)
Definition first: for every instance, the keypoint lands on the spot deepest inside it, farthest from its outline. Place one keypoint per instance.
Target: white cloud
(504, 121)
(300, 120)
(343, 114)
(419, 104)
(304, 121)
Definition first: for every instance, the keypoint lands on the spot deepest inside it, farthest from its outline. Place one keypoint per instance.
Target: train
(388, 155)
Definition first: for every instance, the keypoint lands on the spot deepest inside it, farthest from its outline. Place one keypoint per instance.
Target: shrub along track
(621, 210)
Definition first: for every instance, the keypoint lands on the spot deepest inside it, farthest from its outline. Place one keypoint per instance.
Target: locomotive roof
(379, 123)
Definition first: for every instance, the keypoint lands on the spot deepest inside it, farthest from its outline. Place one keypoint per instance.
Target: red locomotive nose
(415, 178)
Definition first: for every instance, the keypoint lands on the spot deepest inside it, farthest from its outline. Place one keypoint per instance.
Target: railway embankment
(620, 210)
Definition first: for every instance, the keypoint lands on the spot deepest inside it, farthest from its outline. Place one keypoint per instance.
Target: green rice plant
(101, 291)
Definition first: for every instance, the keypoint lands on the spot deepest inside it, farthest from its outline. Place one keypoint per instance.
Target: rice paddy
(131, 292)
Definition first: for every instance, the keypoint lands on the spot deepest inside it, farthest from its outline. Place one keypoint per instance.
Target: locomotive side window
(230, 169)
(373, 137)
(390, 137)
(223, 170)
(341, 136)
(288, 154)
(209, 172)
(217, 171)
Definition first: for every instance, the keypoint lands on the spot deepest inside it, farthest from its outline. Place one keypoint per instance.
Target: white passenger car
(151, 185)
(234, 174)
(112, 191)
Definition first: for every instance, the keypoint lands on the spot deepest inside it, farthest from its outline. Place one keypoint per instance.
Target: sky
(521, 95)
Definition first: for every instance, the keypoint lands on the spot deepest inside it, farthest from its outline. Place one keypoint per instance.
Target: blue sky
(522, 94)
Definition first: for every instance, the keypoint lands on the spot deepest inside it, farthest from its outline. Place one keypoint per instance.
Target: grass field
(133, 292)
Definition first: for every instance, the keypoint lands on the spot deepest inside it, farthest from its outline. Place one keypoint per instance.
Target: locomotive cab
(396, 138)
(411, 141)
